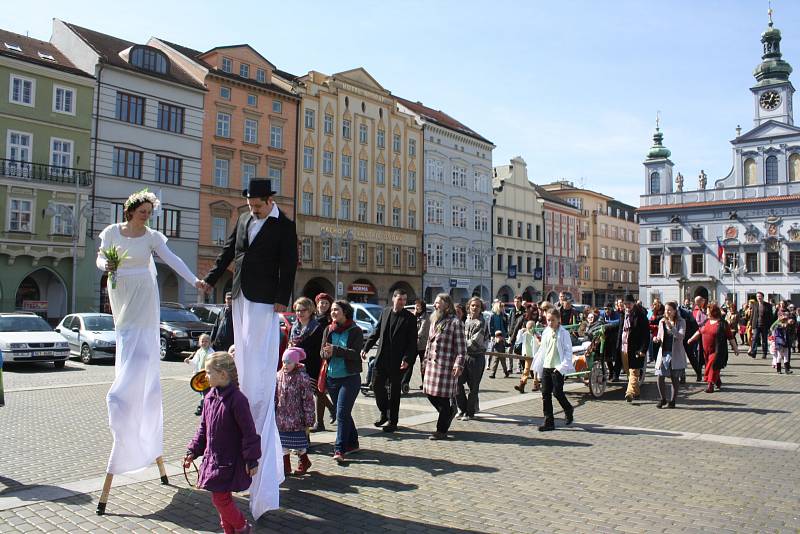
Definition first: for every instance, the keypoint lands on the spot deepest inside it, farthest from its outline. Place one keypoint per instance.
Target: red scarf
(335, 327)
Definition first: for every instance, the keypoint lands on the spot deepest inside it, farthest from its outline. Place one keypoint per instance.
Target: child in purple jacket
(228, 442)
(294, 409)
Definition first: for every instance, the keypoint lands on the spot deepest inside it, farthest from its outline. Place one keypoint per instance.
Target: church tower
(773, 90)
(658, 167)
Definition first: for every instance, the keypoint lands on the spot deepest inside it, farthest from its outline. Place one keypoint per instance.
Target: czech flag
(720, 250)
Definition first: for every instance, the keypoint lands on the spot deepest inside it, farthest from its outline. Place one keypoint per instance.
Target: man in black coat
(396, 336)
(222, 333)
(632, 343)
(761, 319)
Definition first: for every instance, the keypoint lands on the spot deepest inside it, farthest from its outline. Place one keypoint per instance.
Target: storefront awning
(361, 289)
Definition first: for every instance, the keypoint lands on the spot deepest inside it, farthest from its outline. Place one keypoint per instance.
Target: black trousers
(759, 335)
(471, 376)
(408, 373)
(446, 409)
(388, 403)
(553, 386)
(695, 354)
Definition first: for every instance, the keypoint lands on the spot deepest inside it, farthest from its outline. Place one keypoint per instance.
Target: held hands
(364, 355)
(252, 472)
(203, 286)
(457, 371)
(327, 351)
(110, 266)
(403, 365)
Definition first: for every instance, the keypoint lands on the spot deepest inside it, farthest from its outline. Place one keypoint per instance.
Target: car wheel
(86, 354)
(163, 352)
(59, 364)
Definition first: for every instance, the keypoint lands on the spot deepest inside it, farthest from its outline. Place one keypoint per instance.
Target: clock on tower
(773, 90)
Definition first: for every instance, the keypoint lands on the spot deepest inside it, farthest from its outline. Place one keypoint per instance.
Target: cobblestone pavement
(721, 462)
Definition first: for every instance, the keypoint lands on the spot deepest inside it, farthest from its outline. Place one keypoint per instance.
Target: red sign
(34, 305)
(361, 289)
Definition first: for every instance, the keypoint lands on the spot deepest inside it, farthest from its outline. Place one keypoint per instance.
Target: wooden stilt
(162, 471)
(101, 505)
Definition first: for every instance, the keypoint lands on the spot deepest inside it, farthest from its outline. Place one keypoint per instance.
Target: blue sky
(571, 86)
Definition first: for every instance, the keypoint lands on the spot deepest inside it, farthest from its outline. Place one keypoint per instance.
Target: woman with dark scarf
(306, 333)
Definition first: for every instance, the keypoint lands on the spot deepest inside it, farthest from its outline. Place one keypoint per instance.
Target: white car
(90, 335)
(26, 337)
(366, 316)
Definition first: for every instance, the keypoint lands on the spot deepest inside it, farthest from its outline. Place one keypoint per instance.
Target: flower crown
(142, 196)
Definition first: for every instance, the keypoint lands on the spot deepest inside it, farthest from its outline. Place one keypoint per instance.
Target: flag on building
(720, 250)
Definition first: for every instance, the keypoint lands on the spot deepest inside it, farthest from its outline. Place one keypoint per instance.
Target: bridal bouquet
(115, 257)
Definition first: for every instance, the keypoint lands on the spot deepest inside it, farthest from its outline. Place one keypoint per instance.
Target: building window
(127, 163)
(309, 119)
(362, 134)
(62, 220)
(528, 264)
(328, 124)
(379, 250)
(396, 143)
(308, 249)
(347, 162)
(603, 274)
(248, 173)
(168, 170)
(19, 150)
(395, 256)
(459, 216)
(225, 93)
(277, 106)
(676, 234)
(130, 108)
(675, 264)
(362, 171)
(751, 262)
(362, 253)
(412, 148)
(344, 251)
(276, 136)
(344, 209)
(655, 183)
(771, 170)
(261, 76)
(529, 231)
(458, 257)
(275, 175)
(60, 156)
(794, 262)
(23, 91)
(64, 100)
(396, 177)
(698, 234)
(731, 260)
(773, 262)
(362, 211)
(327, 162)
(519, 229)
(326, 250)
(308, 203)
(251, 131)
(223, 124)
(308, 158)
(499, 226)
(412, 181)
(380, 174)
(655, 264)
(346, 128)
(510, 228)
(149, 59)
(380, 214)
(170, 118)
(698, 263)
(221, 172)
(219, 230)
(434, 170)
(412, 258)
(244, 70)
(327, 206)
(412, 219)
(459, 177)
(20, 215)
(434, 212)
(381, 139)
(499, 262)
(655, 236)
(169, 223)
(227, 65)
(252, 100)
(794, 168)
(396, 216)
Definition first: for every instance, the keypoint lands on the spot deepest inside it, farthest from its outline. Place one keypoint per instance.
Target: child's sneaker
(302, 467)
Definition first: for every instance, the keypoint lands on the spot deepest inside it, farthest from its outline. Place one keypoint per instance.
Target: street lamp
(74, 217)
(336, 257)
(484, 253)
(734, 270)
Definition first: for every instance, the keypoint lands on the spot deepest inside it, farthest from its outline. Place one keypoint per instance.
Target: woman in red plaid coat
(444, 361)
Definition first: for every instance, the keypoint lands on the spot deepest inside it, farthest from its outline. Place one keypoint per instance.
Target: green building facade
(46, 259)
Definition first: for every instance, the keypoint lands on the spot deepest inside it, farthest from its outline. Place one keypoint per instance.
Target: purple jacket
(227, 440)
(294, 400)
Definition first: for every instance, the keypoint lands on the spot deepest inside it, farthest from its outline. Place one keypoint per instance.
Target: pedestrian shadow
(23, 368)
(711, 405)
(39, 492)
(735, 389)
(593, 428)
(317, 481)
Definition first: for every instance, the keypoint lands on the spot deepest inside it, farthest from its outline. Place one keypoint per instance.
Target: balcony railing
(26, 171)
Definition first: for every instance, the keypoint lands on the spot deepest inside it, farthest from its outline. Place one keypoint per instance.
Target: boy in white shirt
(555, 358)
(530, 344)
(198, 359)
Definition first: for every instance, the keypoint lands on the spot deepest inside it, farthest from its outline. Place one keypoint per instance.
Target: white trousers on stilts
(256, 337)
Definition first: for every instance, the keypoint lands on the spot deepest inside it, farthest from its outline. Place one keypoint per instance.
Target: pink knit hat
(294, 355)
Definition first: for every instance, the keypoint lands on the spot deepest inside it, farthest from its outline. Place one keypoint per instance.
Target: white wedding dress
(134, 401)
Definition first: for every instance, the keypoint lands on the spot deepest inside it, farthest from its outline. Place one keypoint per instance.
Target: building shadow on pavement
(39, 492)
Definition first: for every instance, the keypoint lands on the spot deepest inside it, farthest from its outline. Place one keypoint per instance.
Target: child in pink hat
(294, 409)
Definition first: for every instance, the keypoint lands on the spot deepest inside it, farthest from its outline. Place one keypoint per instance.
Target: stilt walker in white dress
(263, 249)
(134, 401)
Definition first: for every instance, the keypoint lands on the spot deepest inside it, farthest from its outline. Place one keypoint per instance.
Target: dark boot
(302, 467)
(788, 368)
(287, 465)
(520, 387)
(778, 367)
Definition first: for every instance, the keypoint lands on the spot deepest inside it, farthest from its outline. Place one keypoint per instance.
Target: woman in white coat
(554, 360)
(134, 400)
(671, 361)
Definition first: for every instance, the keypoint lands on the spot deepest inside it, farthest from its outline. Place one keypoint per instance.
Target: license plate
(43, 353)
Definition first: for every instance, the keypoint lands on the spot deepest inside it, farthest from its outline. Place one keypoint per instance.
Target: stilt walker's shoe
(287, 465)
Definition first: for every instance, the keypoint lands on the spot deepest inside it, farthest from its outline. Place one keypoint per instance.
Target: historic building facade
(560, 247)
(457, 206)
(148, 127)
(45, 184)
(359, 194)
(518, 231)
(607, 244)
(741, 235)
(250, 131)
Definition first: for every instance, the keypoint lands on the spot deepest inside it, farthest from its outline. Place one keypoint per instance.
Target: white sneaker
(465, 417)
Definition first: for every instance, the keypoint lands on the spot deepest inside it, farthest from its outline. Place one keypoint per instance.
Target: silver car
(90, 336)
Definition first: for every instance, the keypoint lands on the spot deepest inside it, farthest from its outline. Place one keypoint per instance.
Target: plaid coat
(446, 348)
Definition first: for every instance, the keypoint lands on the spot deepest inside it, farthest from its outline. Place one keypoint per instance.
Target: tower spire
(772, 69)
(658, 150)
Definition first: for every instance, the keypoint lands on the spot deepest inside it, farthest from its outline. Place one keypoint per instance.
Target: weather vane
(658, 119)
(769, 11)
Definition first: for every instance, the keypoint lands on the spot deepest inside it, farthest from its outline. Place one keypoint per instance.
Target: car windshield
(178, 315)
(24, 324)
(374, 310)
(99, 323)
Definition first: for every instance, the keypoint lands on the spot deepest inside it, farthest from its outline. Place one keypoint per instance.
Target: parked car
(207, 313)
(26, 337)
(287, 319)
(180, 330)
(366, 316)
(90, 336)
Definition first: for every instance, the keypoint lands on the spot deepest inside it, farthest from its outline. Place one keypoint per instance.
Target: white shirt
(256, 224)
(564, 345)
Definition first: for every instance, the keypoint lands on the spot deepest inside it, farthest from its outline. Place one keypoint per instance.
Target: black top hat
(259, 188)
